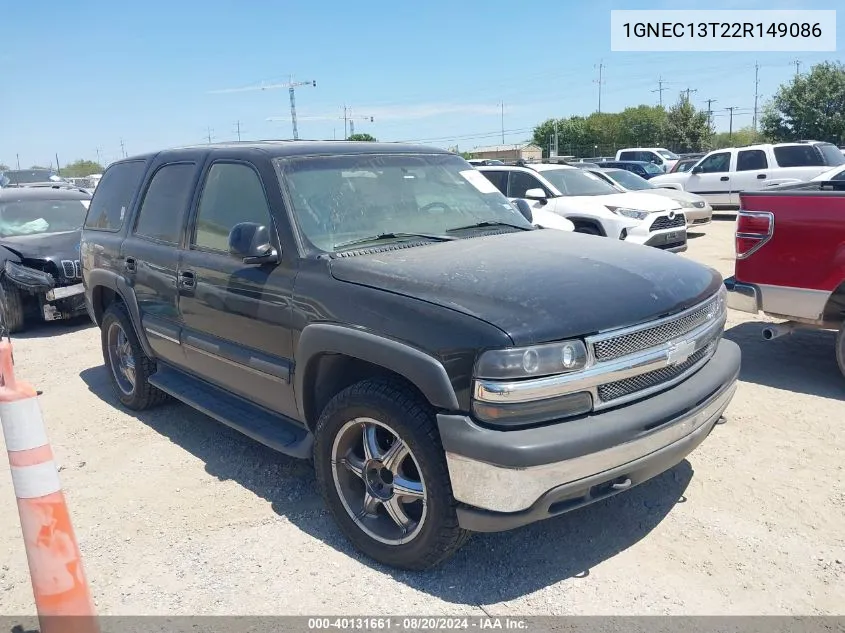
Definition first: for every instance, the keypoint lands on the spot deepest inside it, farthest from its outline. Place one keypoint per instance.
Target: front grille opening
(647, 338)
(664, 222)
(621, 388)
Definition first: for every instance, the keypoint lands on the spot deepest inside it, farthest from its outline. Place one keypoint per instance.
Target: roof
(280, 148)
(503, 148)
(43, 193)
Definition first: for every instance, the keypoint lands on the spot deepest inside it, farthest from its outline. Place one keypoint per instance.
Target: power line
(599, 82)
(710, 111)
(688, 91)
(660, 89)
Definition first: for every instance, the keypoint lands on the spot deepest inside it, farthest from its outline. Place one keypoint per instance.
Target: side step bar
(275, 431)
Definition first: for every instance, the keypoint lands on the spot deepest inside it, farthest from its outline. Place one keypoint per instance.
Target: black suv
(384, 309)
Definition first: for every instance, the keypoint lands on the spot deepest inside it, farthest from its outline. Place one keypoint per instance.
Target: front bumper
(698, 217)
(63, 302)
(505, 479)
(674, 241)
(742, 297)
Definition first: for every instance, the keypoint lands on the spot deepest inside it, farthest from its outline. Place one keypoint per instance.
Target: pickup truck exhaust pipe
(774, 331)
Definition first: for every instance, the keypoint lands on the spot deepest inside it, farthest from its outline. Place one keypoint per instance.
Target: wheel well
(834, 309)
(585, 222)
(101, 298)
(329, 374)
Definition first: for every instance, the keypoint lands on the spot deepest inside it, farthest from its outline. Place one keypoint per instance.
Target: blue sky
(80, 76)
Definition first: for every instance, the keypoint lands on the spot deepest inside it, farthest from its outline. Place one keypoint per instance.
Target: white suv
(593, 205)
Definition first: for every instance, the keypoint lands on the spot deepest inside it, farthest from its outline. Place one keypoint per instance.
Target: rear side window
(498, 178)
(160, 217)
(751, 159)
(628, 155)
(799, 156)
(113, 196)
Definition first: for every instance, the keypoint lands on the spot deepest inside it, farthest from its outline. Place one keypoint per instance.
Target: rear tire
(14, 314)
(129, 368)
(840, 349)
(360, 483)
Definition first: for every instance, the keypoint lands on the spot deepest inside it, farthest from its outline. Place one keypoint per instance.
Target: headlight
(687, 204)
(635, 214)
(532, 362)
(29, 278)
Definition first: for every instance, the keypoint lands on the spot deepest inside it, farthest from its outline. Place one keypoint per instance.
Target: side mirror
(535, 194)
(524, 208)
(696, 169)
(251, 243)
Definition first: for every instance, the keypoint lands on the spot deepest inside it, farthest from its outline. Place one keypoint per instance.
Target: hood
(676, 194)
(541, 285)
(54, 246)
(631, 199)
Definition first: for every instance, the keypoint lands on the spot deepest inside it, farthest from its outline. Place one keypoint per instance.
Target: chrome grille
(664, 222)
(647, 337)
(71, 269)
(614, 390)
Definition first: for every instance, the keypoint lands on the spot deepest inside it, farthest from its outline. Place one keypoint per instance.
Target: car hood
(676, 194)
(631, 200)
(53, 246)
(541, 285)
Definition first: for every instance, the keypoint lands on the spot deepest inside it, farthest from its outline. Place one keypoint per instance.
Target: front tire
(382, 472)
(13, 315)
(129, 368)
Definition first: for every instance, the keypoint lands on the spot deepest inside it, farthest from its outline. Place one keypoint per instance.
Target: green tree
(572, 134)
(810, 106)
(686, 129)
(642, 126)
(81, 168)
(4, 167)
(742, 136)
(362, 137)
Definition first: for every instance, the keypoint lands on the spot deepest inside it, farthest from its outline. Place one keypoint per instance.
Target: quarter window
(113, 196)
(232, 194)
(160, 217)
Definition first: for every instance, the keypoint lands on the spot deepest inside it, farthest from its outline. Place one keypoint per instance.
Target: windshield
(665, 153)
(29, 217)
(832, 154)
(651, 168)
(340, 199)
(630, 181)
(577, 182)
(26, 176)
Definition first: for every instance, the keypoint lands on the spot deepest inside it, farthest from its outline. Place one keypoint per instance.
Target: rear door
(752, 172)
(713, 178)
(150, 252)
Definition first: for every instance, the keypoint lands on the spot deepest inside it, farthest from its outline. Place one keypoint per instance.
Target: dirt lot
(176, 514)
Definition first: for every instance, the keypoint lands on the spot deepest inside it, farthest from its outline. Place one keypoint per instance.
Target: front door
(236, 316)
(713, 179)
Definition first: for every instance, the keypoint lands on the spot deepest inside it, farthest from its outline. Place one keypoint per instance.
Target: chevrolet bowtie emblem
(679, 352)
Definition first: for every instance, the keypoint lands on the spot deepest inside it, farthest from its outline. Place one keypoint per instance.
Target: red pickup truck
(790, 258)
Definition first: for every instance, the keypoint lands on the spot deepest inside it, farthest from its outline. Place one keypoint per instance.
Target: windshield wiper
(486, 224)
(393, 236)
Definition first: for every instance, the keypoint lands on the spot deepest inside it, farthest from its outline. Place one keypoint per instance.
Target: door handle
(129, 264)
(724, 178)
(187, 279)
(761, 176)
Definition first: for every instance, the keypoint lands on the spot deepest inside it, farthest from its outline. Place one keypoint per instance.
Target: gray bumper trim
(742, 297)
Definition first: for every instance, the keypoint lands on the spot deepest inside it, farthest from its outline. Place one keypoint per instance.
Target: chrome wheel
(379, 481)
(121, 359)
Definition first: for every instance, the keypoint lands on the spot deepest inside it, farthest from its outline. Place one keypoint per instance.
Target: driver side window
(716, 163)
(520, 182)
(232, 194)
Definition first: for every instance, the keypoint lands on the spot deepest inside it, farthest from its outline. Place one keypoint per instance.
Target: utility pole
(208, 136)
(600, 81)
(99, 160)
(660, 90)
(688, 91)
(756, 94)
(731, 124)
(349, 120)
(557, 152)
(797, 63)
(710, 102)
(238, 129)
(122, 148)
(502, 104)
(58, 167)
(18, 159)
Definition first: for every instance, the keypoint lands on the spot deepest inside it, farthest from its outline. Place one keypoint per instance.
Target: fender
(424, 371)
(110, 279)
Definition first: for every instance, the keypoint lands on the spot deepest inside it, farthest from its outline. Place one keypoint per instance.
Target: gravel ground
(176, 514)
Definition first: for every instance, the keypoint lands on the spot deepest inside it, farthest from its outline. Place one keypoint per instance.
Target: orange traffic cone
(61, 591)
